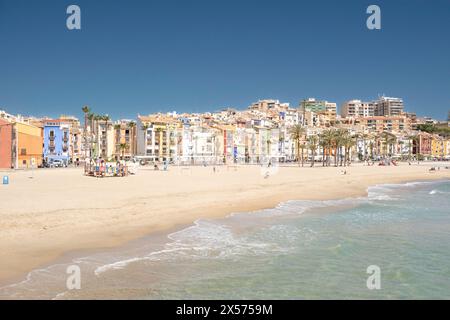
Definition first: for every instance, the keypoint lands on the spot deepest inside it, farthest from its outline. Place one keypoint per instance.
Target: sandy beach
(49, 212)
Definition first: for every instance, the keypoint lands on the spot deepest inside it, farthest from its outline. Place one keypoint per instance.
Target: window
(23, 152)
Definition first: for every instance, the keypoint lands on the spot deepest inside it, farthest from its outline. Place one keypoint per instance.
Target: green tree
(313, 144)
(297, 132)
(86, 110)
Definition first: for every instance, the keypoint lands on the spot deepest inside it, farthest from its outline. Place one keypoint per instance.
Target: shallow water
(299, 250)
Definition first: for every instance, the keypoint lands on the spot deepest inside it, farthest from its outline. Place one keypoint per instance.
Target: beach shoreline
(79, 219)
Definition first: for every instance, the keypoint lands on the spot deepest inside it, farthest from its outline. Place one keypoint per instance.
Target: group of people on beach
(100, 168)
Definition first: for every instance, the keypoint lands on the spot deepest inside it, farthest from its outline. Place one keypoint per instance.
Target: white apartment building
(388, 106)
(158, 137)
(269, 104)
(104, 140)
(357, 108)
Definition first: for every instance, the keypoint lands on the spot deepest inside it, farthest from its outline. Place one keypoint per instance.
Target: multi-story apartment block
(387, 106)
(157, 137)
(325, 109)
(357, 108)
(57, 140)
(124, 139)
(102, 136)
(380, 124)
(76, 137)
(265, 105)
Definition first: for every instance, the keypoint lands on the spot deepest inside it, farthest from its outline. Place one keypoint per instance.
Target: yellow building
(447, 147)
(124, 139)
(27, 145)
(157, 137)
(438, 146)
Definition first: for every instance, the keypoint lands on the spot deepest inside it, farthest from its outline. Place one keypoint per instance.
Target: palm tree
(86, 110)
(91, 118)
(364, 137)
(281, 144)
(195, 138)
(328, 137)
(376, 144)
(334, 146)
(412, 139)
(302, 148)
(269, 144)
(105, 118)
(123, 147)
(313, 142)
(132, 126)
(337, 141)
(348, 142)
(401, 143)
(371, 146)
(169, 138)
(158, 137)
(297, 132)
(323, 144)
(145, 127)
(389, 140)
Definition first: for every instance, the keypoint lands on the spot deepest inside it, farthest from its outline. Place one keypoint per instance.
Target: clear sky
(202, 55)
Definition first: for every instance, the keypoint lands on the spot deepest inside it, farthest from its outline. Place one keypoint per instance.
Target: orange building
(27, 145)
(385, 123)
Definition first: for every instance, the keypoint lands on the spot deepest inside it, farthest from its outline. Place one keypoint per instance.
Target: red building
(423, 144)
(6, 130)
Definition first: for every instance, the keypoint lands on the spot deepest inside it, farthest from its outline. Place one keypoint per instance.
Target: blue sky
(201, 55)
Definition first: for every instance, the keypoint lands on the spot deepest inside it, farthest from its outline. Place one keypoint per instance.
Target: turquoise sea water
(299, 250)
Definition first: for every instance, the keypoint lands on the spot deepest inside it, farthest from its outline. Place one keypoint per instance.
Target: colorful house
(157, 137)
(6, 134)
(438, 147)
(124, 139)
(56, 141)
(447, 147)
(422, 145)
(26, 146)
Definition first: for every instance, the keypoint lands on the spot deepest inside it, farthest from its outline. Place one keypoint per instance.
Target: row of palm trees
(89, 138)
(339, 144)
(93, 120)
